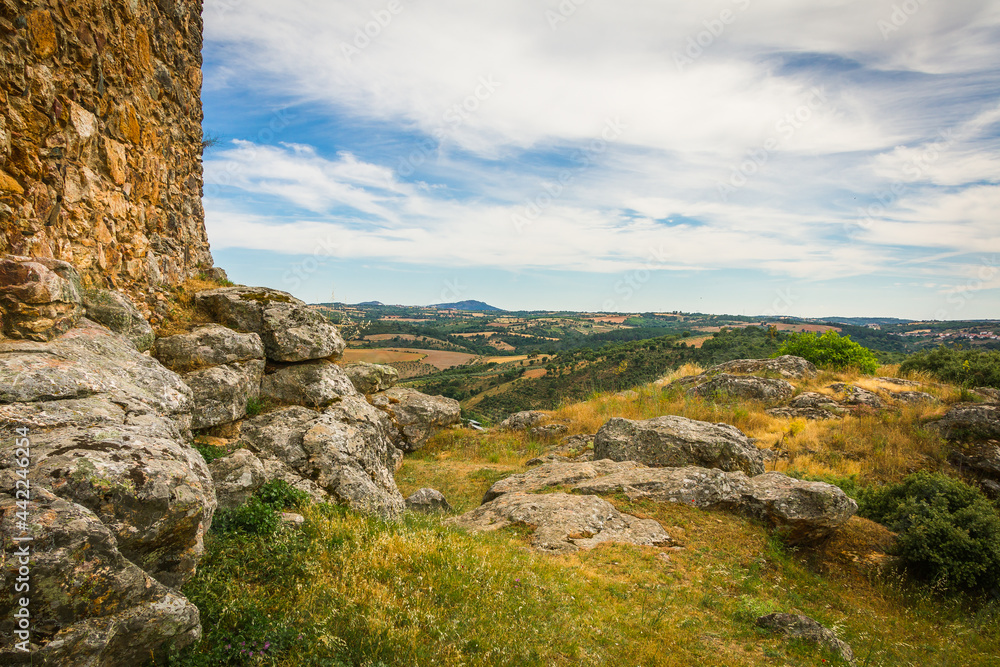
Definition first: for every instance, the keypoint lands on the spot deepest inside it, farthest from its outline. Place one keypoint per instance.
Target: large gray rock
(90, 606)
(39, 297)
(787, 366)
(521, 421)
(418, 416)
(971, 421)
(291, 332)
(914, 397)
(854, 395)
(236, 478)
(746, 387)
(117, 312)
(563, 523)
(672, 441)
(347, 451)
(316, 384)
(206, 346)
(151, 490)
(796, 626)
(86, 361)
(371, 378)
(981, 458)
(428, 501)
(221, 393)
(802, 512)
(556, 474)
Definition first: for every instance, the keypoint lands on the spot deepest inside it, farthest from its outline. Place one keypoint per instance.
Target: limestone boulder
(787, 366)
(151, 490)
(90, 360)
(812, 399)
(90, 605)
(117, 312)
(39, 298)
(521, 421)
(745, 387)
(810, 405)
(797, 626)
(673, 441)
(802, 512)
(418, 416)
(548, 431)
(971, 422)
(857, 396)
(290, 330)
(563, 523)
(315, 384)
(346, 451)
(207, 346)
(236, 477)
(371, 378)
(428, 501)
(221, 393)
(980, 458)
(914, 397)
(813, 414)
(556, 474)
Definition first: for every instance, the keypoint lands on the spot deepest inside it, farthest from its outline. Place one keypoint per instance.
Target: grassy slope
(352, 590)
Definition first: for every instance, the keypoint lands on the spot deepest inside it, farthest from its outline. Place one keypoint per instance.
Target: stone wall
(100, 139)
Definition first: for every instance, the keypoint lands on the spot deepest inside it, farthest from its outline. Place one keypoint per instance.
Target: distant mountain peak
(470, 304)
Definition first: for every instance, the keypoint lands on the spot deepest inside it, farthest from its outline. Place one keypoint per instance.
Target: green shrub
(280, 495)
(254, 517)
(969, 368)
(949, 533)
(210, 452)
(831, 351)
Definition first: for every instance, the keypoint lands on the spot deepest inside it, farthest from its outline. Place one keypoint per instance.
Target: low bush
(969, 368)
(259, 515)
(831, 351)
(949, 532)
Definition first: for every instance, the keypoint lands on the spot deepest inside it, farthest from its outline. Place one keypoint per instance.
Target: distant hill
(471, 305)
(370, 303)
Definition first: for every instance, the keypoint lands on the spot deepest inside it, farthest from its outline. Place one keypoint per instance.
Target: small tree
(831, 350)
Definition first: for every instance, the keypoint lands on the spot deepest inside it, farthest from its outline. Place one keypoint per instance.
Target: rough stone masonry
(100, 139)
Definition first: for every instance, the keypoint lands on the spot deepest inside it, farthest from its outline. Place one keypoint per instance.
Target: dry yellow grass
(182, 315)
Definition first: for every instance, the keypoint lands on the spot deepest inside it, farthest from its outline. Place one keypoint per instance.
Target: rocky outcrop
(673, 441)
(100, 140)
(810, 405)
(556, 474)
(39, 298)
(796, 626)
(223, 368)
(914, 397)
(971, 422)
(428, 501)
(117, 312)
(371, 378)
(787, 366)
(346, 451)
(980, 458)
(857, 396)
(745, 387)
(291, 332)
(418, 416)
(90, 605)
(563, 523)
(521, 421)
(802, 512)
(315, 384)
(548, 431)
(236, 478)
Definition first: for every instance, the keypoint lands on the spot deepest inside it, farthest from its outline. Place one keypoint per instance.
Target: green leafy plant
(968, 368)
(280, 495)
(831, 351)
(210, 452)
(254, 517)
(949, 532)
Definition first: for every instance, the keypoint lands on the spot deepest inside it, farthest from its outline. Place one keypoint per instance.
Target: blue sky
(758, 157)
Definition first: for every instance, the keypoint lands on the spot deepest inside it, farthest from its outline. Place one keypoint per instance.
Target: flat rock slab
(796, 626)
(557, 474)
(206, 346)
(787, 366)
(673, 441)
(813, 414)
(971, 422)
(857, 396)
(315, 384)
(914, 397)
(803, 512)
(564, 523)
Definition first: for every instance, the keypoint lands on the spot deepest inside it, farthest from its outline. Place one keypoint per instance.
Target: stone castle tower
(100, 138)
